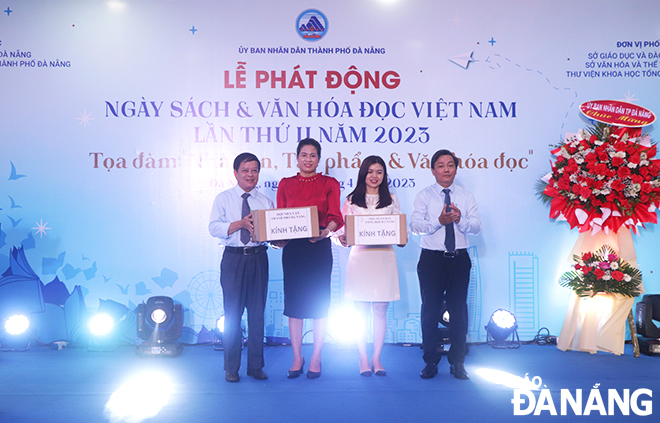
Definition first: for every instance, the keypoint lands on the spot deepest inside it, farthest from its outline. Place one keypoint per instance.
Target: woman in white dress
(372, 275)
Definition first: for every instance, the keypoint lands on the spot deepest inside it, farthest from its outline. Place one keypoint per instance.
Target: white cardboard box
(376, 229)
(289, 223)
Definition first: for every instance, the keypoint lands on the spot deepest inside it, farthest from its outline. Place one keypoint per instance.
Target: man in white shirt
(444, 214)
(244, 267)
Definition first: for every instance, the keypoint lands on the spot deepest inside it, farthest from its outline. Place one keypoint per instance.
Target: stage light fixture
(218, 331)
(159, 324)
(101, 337)
(648, 333)
(101, 324)
(17, 324)
(502, 330)
(16, 333)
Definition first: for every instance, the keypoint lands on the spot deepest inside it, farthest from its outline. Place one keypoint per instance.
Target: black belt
(449, 254)
(246, 251)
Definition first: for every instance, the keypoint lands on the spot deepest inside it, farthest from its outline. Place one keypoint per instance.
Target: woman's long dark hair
(358, 196)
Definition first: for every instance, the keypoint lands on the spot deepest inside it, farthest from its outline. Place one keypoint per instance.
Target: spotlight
(500, 327)
(101, 333)
(648, 332)
(159, 324)
(17, 324)
(16, 335)
(218, 330)
(444, 343)
(346, 324)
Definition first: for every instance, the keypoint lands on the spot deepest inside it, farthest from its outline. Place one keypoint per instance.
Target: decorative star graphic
(85, 118)
(193, 30)
(41, 228)
(492, 41)
(456, 20)
(629, 98)
(8, 11)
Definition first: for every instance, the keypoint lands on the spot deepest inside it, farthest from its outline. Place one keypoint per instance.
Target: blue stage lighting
(102, 337)
(17, 324)
(16, 333)
(500, 327)
(101, 324)
(159, 324)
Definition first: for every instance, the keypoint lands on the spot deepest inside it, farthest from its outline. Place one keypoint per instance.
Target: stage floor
(74, 385)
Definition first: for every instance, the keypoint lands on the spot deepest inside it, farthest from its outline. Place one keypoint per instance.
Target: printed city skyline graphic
(402, 331)
(524, 292)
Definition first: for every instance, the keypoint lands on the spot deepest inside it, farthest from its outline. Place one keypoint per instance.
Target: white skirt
(372, 274)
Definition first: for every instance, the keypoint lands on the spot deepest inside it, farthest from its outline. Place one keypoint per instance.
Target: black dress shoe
(292, 374)
(232, 377)
(458, 370)
(257, 374)
(429, 371)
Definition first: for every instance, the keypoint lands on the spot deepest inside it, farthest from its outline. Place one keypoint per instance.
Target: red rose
(586, 257)
(560, 159)
(644, 171)
(646, 188)
(599, 184)
(576, 189)
(617, 185)
(620, 146)
(601, 169)
(635, 158)
(636, 179)
(617, 275)
(599, 272)
(623, 172)
(586, 270)
(585, 192)
(617, 161)
(602, 156)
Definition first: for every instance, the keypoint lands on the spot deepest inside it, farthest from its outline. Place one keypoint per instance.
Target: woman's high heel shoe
(313, 375)
(292, 374)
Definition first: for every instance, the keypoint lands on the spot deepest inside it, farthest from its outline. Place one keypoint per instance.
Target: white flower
(632, 165)
(607, 276)
(614, 265)
(621, 154)
(627, 278)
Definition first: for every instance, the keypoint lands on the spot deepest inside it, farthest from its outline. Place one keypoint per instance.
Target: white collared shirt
(227, 208)
(427, 207)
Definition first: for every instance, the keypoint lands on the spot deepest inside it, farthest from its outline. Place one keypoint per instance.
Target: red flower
(620, 146)
(617, 161)
(599, 273)
(585, 192)
(635, 158)
(586, 257)
(617, 185)
(612, 257)
(617, 275)
(623, 172)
